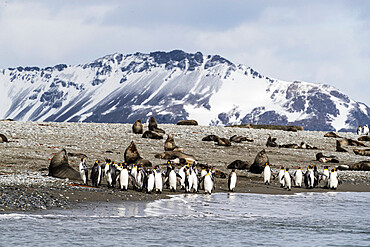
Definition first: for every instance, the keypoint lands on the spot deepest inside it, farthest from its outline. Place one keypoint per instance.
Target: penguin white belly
(195, 181)
(312, 178)
(267, 175)
(99, 174)
(150, 182)
(182, 175)
(208, 184)
(333, 183)
(83, 173)
(232, 182)
(158, 182)
(298, 178)
(288, 181)
(172, 180)
(281, 178)
(189, 182)
(123, 179)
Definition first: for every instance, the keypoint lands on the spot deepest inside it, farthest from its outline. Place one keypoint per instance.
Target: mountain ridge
(173, 86)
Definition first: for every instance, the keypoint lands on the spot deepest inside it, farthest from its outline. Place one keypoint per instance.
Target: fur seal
(187, 122)
(239, 139)
(223, 142)
(350, 142)
(292, 145)
(339, 147)
(332, 134)
(239, 164)
(137, 127)
(364, 138)
(325, 159)
(361, 166)
(170, 155)
(363, 152)
(259, 162)
(210, 138)
(3, 138)
(59, 167)
(152, 135)
(170, 145)
(271, 142)
(131, 154)
(153, 126)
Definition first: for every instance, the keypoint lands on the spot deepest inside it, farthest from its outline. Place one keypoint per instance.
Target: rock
(259, 162)
(187, 122)
(350, 142)
(3, 138)
(210, 138)
(131, 154)
(363, 152)
(332, 134)
(152, 135)
(223, 142)
(360, 166)
(171, 155)
(239, 164)
(153, 126)
(364, 138)
(271, 142)
(137, 127)
(325, 159)
(239, 139)
(60, 168)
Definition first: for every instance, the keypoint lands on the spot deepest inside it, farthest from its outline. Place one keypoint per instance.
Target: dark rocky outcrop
(60, 168)
(239, 164)
(332, 134)
(137, 127)
(259, 162)
(152, 135)
(363, 152)
(3, 138)
(187, 122)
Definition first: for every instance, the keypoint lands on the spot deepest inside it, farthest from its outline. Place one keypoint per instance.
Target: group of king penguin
(153, 180)
(311, 177)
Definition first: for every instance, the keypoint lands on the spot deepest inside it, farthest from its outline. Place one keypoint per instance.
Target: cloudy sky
(315, 41)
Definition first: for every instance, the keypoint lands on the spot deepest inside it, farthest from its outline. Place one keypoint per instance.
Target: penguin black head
(287, 169)
(299, 167)
(282, 168)
(233, 170)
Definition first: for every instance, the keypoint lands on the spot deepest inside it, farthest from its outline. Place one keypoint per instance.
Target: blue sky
(315, 41)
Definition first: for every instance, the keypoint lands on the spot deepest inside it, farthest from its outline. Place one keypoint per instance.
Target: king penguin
(281, 177)
(172, 179)
(194, 176)
(267, 174)
(325, 177)
(84, 171)
(123, 177)
(333, 180)
(287, 180)
(298, 176)
(151, 182)
(208, 183)
(232, 180)
(158, 179)
(94, 174)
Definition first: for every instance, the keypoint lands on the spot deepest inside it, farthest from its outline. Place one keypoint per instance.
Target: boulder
(187, 122)
(259, 162)
(60, 168)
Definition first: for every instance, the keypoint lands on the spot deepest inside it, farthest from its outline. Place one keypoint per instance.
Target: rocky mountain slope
(172, 86)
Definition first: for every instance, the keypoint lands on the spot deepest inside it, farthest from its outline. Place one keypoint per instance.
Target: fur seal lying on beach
(363, 152)
(170, 145)
(259, 162)
(361, 166)
(209, 138)
(187, 122)
(137, 127)
(332, 134)
(3, 138)
(153, 126)
(152, 135)
(239, 165)
(339, 147)
(350, 142)
(239, 139)
(325, 159)
(59, 167)
(223, 142)
(364, 138)
(171, 155)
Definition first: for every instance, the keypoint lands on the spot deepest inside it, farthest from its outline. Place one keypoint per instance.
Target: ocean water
(305, 219)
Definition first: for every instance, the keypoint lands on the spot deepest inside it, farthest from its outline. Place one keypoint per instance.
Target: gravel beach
(24, 160)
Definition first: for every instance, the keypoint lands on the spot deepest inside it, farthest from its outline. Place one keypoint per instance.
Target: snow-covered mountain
(172, 86)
